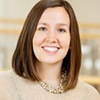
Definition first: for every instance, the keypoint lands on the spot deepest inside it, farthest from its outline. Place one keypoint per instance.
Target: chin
(50, 61)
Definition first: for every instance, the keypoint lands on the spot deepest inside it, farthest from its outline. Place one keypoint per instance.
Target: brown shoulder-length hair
(23, 61)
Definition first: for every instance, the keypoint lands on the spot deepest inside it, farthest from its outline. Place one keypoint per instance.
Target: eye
(42, 29)
(61, 30)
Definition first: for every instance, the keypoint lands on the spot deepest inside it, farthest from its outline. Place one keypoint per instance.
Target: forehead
(55, 14)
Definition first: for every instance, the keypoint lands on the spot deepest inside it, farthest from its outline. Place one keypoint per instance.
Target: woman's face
(52, 37)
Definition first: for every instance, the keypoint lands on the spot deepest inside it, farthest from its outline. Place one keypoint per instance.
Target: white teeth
(51, 49)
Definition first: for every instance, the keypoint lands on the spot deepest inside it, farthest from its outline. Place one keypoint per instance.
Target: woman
(47, 58)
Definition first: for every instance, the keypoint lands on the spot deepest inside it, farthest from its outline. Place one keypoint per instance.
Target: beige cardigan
(13, 87)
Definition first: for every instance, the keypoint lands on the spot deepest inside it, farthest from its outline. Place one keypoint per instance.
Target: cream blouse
(14, 87)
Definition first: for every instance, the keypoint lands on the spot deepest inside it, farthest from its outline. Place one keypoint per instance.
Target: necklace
(51, 89)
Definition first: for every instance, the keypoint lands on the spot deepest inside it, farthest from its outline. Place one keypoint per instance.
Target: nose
(51, 37)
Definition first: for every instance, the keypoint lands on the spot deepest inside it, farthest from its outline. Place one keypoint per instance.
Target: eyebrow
(62, 24)
(42, 23)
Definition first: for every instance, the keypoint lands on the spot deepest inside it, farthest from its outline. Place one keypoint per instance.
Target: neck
(49, 73)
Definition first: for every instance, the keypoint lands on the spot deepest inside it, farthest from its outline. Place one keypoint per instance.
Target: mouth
(50, 49)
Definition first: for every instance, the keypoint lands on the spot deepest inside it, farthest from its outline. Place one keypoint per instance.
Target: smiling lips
(50, 49)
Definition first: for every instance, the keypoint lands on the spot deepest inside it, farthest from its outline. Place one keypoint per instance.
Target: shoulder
(13, 86)
(5, 75)
(9, 77)
(87, 90)
(9, 80)
(4, 78)
(5, 84)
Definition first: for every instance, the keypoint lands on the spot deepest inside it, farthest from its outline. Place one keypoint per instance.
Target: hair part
(23, 60)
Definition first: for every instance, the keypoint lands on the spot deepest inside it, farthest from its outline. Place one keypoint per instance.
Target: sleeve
(2, 85)
(92, 93)
(5, 84)
(1, 96)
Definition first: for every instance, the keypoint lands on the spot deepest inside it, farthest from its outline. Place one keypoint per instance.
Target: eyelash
(45, 29)
(42, 29)
(61, 30)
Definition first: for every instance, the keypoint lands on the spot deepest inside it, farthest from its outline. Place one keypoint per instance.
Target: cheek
(37, 40)
(65, 41)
